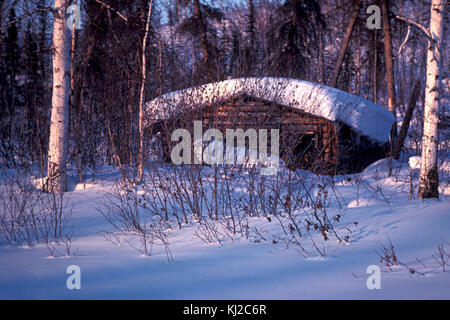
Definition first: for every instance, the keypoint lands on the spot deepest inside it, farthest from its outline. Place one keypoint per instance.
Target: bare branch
(405, 40)
(418, 25)
(112, 9)
(27, 15)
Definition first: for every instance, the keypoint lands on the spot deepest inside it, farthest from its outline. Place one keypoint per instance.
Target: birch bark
(58, 143)
(429, 180)
(141, 97)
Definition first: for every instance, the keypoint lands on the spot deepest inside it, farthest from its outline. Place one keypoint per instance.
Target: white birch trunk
(429, 181)
(58, 144)
(141, 96)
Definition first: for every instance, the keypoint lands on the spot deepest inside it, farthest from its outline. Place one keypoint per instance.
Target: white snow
(248, 269)
(361, 115)
(414, 162)
(217, 152)
(364, 203)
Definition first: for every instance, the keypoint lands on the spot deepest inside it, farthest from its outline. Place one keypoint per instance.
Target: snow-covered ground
(249, 268)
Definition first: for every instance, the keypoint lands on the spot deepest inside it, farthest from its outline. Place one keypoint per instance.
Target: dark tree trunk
(408, 116)
(203, 39)
(348, 33)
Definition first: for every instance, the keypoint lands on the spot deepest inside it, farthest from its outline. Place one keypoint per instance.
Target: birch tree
(428, 179)
(141, 97)
(58, 143)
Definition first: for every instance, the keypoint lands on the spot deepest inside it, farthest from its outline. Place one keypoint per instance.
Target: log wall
(306, 141)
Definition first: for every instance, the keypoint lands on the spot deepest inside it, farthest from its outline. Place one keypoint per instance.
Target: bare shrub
(209, 232)
(132, 221)
(30, 216)
(389, 258)
(442, 256)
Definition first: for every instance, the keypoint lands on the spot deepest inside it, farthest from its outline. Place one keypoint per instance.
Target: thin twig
(112, 9)
(405, 40)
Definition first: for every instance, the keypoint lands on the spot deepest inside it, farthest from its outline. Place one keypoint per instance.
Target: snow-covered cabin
(322, 129)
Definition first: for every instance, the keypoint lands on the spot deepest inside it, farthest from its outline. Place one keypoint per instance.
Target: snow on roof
(361, 115)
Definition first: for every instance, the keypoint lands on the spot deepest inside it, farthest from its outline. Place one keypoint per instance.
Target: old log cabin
(321, 129)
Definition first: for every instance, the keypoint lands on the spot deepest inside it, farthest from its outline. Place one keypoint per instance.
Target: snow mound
(366, 203)
(83, 186)
(414, 162)
(361, 115)
(217, 152)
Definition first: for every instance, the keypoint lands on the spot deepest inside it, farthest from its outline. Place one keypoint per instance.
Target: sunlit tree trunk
(389, 59)
(58, 143)
(142, 94)
(429, 181)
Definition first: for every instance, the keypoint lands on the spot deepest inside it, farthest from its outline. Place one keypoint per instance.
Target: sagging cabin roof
(361, 115)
